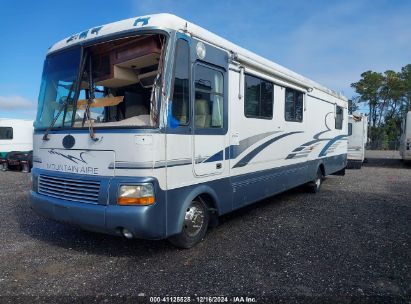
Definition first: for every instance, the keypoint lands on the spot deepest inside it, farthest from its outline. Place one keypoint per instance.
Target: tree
(406, 78)
(368, 88)
(391, 95)
(353, 105)
(388, 96)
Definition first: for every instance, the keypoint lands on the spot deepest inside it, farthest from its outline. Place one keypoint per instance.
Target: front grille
(84, 191)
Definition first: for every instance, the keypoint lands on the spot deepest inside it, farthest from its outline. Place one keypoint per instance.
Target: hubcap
(194, 219)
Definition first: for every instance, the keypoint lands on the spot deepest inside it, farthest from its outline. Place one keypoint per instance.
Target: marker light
(201, 50)
(136, 194)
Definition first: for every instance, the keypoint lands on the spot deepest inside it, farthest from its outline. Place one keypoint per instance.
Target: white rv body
(16, 135)
(357, 139)
(242, 161)
(405, 139)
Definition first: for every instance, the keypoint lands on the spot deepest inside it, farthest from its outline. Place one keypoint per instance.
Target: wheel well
(322, 168)
(210, 202)
(212, 207)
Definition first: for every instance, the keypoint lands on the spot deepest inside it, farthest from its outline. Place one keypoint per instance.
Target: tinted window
(6, 133)
(209, 98)
(349, 129)
(258, 101)
(180, 101)
(293, 105)
(338, 117)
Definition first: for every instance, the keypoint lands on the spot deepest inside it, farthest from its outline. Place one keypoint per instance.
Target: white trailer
(15, 135)
(357, 139)
(152, 127)
(405, 139)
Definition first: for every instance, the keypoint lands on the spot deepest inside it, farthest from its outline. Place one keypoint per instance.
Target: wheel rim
(194, 219)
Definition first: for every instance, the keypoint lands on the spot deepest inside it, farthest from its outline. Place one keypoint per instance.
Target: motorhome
(15, 135)
(357, 140)
(152, 127)
(405, 139)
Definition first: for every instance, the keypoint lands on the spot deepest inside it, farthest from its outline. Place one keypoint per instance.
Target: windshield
(58, 81)
(120, 85)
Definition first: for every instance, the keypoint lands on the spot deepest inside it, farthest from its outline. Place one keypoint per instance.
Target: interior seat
(202, 114)
(180, 110)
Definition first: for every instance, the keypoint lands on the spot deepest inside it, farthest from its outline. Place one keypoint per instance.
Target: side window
(338, 117)
(6, 133)
(181, 94)
(209, 98)
(258, 101)
(349, 129)
(293, 105)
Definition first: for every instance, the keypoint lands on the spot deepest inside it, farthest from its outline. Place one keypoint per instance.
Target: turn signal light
(136, 200)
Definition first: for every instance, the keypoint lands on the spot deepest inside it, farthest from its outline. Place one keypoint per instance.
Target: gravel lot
(351, 241)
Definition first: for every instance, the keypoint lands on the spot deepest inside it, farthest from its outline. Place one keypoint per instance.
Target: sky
(331, 42)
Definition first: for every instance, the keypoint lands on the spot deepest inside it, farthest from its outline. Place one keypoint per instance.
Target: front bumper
(146, 222)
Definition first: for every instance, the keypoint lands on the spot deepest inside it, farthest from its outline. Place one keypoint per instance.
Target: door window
(209, 98)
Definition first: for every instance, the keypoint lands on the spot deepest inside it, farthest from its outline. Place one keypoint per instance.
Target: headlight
(136, 194)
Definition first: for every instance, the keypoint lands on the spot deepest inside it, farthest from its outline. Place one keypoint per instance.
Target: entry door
(209, 100)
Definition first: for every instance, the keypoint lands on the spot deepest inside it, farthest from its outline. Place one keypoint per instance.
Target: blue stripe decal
(315, 139)
(246, 159)
(216, 157)
(298, 149)
(234, 151)
(328, 145)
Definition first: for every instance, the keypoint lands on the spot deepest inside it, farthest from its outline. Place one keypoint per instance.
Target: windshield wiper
(62, 107)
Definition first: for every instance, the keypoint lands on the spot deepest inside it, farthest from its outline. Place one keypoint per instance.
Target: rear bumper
(143, 221)
(13, 162)
(355, 156)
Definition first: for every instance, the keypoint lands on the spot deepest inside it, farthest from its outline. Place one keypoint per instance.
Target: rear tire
(195, 224)
(315, 185)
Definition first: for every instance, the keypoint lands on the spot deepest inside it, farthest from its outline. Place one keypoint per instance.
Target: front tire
(315, 185)
(195, 224)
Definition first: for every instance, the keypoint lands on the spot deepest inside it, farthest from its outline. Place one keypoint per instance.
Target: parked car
(2, 160)
(18, 160)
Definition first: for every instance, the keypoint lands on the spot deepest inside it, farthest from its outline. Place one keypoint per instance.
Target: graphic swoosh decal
(233, 151)
(70, 157)
(328, 145)
(246, 159)
(316, 139)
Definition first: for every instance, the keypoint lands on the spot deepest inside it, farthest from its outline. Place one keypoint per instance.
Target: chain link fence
(383, 145)
(384, 151)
